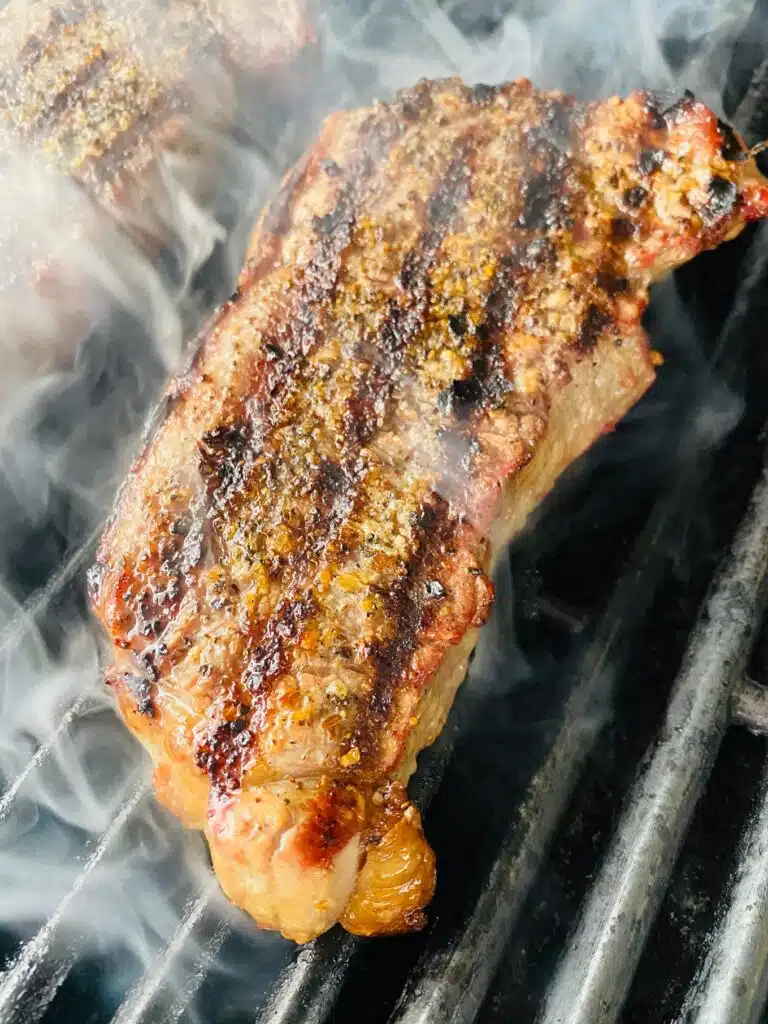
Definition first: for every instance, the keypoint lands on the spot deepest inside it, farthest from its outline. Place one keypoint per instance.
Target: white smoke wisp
(94, 322)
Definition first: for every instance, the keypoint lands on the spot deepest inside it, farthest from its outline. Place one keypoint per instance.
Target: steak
(99, 89)
(94, 97)
(440, 311)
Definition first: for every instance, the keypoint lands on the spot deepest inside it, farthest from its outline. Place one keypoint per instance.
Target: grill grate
(451, 973)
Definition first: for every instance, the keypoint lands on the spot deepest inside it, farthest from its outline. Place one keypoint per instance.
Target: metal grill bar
(30, 983)
(17, 627)
(731, 984)
(594, 977)
(141, 1000)
(8, 798)
(43, 598)
(749, 707)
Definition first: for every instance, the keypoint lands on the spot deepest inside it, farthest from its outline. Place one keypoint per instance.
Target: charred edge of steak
(277, 219)
(731, 148)
(277, 223)
(722, 197)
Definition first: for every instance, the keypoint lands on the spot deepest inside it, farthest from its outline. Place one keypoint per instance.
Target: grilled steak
(440, 311)
(93, 96)
(100, 88)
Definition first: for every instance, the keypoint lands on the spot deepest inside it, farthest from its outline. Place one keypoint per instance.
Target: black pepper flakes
(635, 197)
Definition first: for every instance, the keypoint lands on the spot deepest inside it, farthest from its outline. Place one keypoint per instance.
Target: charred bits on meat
(679, 108)
(650, 160)
(633, 198)
(482, 94)
(460, 397)
(458, 324)
(611, 282)
(542, 208)
(721, 198)
(622, 229)
(594, 322)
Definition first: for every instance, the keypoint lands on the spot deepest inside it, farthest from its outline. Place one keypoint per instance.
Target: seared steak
(440, 311)
(99, 87)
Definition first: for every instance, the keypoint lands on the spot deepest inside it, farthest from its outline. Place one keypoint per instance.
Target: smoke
(98, 301)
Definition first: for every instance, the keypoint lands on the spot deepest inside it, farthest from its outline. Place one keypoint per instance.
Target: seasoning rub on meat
(440, 311)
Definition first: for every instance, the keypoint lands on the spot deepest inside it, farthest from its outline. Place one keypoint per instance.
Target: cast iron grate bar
(450, 983)
(731, 983)
(141, 1002)
(29, 984)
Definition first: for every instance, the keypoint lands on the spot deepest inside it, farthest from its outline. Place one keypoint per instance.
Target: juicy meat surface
(440, 311)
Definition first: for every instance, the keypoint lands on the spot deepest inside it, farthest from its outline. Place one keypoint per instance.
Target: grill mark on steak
(107, 166)
(405, 604)
(368, 407)
(73, 92)
(522, 253)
